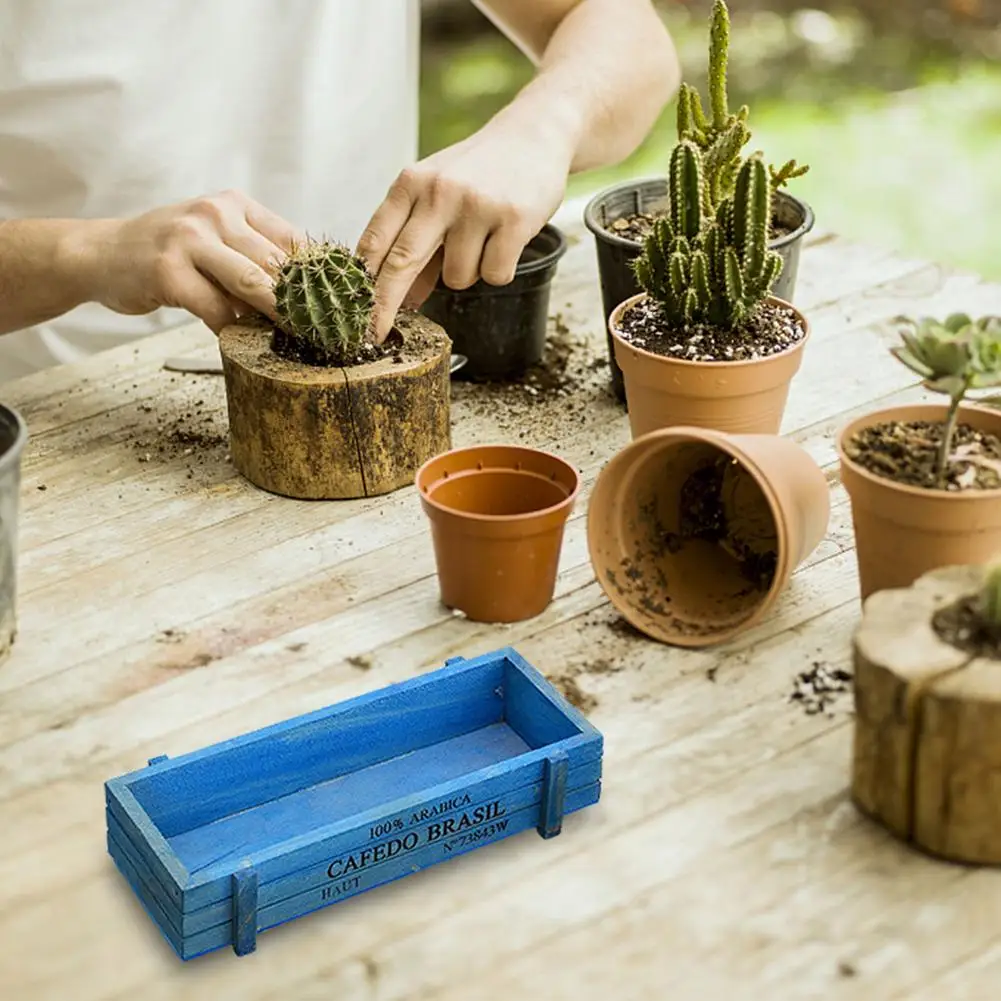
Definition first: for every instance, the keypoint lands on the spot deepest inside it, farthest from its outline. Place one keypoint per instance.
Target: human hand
(213, 256)
(464, 213)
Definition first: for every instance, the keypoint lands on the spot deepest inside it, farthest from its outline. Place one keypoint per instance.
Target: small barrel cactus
(324, 297)
(711, 269)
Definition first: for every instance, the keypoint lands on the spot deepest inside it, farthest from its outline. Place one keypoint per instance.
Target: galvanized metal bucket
(13, 435)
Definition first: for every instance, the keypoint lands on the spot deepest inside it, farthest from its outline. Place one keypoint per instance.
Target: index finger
(414, 247)
(241, 277)
(272, 226)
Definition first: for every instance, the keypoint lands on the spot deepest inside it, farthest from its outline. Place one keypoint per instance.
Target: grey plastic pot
(615, 252)
(13, 436)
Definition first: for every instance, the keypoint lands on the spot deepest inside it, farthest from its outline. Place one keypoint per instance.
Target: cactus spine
(710, 269)
(324, 296)
(722, 138)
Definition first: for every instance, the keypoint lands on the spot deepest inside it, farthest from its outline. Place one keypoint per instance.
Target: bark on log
(334, 433)
(927, 752)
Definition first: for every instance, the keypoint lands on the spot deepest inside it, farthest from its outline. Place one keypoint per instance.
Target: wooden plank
(722, 836)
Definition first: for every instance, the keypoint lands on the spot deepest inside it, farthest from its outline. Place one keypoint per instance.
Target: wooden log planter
(927, 750)
(320, 433)
(225, 842)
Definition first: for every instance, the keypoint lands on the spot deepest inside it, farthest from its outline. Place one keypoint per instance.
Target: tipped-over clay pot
(762, 505)
(902, 532)
(739, 397)
(497, 516)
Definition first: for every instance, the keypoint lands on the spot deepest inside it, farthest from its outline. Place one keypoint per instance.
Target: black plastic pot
(501, 329)
(13, 435)
(618, 282)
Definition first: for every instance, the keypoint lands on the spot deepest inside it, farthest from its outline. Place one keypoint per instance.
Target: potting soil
(906, 452)
(770, 330)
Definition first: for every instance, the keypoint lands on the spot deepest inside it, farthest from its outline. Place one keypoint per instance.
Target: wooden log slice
(331, 433)
(927, 748)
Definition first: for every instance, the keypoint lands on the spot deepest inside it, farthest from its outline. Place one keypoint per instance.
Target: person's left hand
(464, 213)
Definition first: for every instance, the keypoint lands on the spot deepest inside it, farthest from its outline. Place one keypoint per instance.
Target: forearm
(604, 76)
(41, 270)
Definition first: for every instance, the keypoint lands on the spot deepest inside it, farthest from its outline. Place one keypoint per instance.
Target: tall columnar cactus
(714, 269)
(722, 137)
(324, 296)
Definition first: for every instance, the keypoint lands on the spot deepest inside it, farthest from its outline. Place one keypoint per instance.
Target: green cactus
(989, 600)
(324, 297)
(722, 137)
(952, 356)
(711, 269)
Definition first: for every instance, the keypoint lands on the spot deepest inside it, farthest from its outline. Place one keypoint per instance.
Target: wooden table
(166, 604)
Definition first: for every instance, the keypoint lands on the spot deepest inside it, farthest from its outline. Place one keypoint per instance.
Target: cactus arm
(678, 274)
(686, 190)
(719, 44)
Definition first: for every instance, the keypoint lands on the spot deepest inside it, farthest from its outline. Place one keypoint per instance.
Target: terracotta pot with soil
(694, 534)
(622, 217)
(317, 411)
(925, 480)
(497, 515)
(707, 344)
(927, 746)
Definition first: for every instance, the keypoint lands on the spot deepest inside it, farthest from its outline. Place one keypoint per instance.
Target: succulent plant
(989, 600)
(324, 297)
(711, 268)
(722, 137)
(952, 356)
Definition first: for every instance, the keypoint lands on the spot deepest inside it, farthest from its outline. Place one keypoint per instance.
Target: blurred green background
(895, 104)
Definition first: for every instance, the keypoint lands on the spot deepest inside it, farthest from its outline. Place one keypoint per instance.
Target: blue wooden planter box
(230, 840)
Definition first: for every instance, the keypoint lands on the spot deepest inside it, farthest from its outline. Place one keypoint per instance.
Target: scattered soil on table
(960, 625)
(770, 330)
(196, 431)
(602, 643)
(555, 395)
(906, 452)
(637, 227)
(569, 687)
(361, 661)
(820, 687)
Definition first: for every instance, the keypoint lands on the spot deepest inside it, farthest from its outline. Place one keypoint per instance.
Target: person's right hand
(213, 256)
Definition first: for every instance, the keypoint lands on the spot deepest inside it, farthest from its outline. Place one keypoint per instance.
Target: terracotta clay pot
(902, 532)
(497, 516)
(616, 252)
(695, 592)
(741, 397)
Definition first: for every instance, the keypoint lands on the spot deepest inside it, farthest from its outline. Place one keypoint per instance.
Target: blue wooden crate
(228, 841)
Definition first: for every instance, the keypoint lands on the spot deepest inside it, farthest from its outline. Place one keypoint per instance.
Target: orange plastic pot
(740, 397)
(497, 515)
(694, 594)
(902, 532)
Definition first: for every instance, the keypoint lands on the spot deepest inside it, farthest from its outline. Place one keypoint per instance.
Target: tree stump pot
(317, 433)
(927, 746)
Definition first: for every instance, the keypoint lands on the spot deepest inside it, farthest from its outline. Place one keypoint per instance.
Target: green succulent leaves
(952, 355)
(704, 267)
(324, 296)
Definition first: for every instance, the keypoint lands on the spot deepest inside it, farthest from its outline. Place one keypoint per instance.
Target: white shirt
(109, 108)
